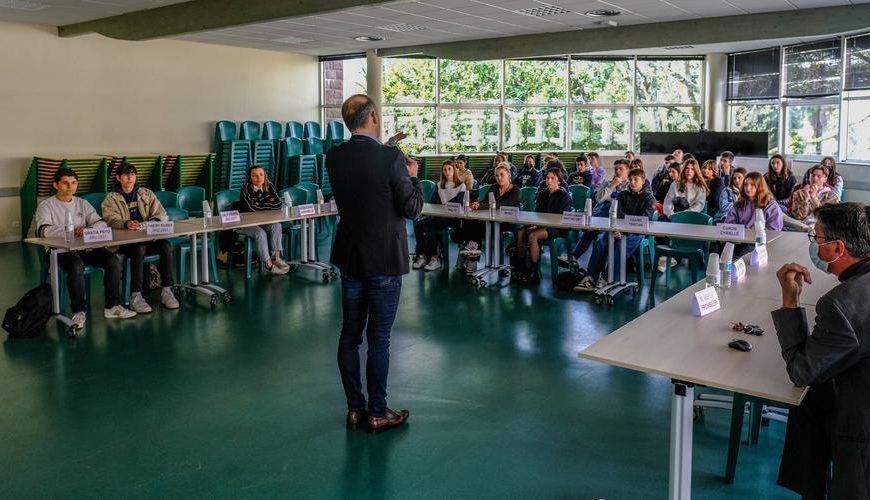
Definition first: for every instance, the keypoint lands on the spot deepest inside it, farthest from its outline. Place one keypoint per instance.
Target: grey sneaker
(138, 303)
(78, 320)
(278, 261)
(470, 266)
(420, 262)
(118, 312)
(586, 285)
(433, 265)
(167, 298)
(276, 269)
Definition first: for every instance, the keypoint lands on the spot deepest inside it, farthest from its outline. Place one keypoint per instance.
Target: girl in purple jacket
(755, 194)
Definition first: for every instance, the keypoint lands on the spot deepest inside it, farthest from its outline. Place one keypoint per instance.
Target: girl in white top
(427, 229)
(688, 193)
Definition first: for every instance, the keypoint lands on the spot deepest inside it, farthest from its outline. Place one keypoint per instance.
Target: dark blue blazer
(374, 195)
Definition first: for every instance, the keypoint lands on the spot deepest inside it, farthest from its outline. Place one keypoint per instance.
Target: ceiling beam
(202, 15)
(724, 29)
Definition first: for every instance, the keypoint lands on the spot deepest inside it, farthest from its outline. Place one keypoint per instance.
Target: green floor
(245, 402)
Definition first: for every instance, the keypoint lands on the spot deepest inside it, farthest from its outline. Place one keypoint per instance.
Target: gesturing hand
(791, 278)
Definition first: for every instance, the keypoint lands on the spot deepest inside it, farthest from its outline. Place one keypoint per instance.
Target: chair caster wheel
(72, 332)
(213, 301)
(227, 298)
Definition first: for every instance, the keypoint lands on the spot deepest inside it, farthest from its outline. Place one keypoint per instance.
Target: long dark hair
(832, 173)
(267, 186)
(771, 173)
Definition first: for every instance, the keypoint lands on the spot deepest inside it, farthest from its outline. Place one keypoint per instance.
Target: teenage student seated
(552, 200)
(581, 174)
(463, 172)
(426, 229)
(780, 181)
(636, 200)
(755, 194)
(689, 192)
(718, 200)
(835, 180)
(50, 219)
(664, 184)
(813, 193)
(128, 206)
(660, 175)
(528, 176)
(598, 173)
(471, 232)
(257, 195)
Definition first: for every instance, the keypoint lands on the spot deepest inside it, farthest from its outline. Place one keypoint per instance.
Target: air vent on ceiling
(401, 27)
(22, 5)
(292, 39)
(679, 47)
(544, 11)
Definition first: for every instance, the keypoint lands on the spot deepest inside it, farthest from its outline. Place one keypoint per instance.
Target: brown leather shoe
(355, 418)
(388, 421)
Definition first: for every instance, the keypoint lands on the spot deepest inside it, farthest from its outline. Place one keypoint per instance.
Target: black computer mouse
(740, 345)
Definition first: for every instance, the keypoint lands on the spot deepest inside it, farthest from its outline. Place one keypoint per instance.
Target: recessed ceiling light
(601, 13)
(401, 28)
(366, 38)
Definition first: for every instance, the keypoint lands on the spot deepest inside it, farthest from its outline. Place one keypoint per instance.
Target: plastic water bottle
(287, 207)
(725, 263)
(492, 207)
(713, 271)
(614, 206)
(206, 213)
(760, 227)
(587, 210)
(466, 201)
(68, 228)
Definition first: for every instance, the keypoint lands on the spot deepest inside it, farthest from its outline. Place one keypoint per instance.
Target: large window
(820, 108)
(571, 103)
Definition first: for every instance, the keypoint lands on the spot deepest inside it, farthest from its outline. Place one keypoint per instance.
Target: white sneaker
(278, 261)
(663, 262)
(433, 265)
(167, 298)
(119, 312)
(78, 320)
(586, 285)
(138, 303)
(420, 262)
(601, 283)
(276, 269)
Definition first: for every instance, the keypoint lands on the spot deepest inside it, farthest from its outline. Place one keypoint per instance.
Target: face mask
(817, 261)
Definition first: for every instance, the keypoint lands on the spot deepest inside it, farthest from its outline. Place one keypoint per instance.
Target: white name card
(332, 206)
(705, 302)
(97, 234)
(637, 222)
(732, 231)
(307, 209)
(454, 208)
(759, 256)
(738, 271)
(159, 227)
(509, 212)
(574, 218)
(230, 216)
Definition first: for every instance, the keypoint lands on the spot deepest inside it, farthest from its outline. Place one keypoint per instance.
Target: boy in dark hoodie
(636, 200)
(528, 175)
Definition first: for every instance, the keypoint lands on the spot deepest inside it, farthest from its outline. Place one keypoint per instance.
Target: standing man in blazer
(832, 423)
(376, 189)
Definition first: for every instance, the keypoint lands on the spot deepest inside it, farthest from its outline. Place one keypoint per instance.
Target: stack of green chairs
(223, 131)
(292, 229)
(312, 129)
(325, 185)
(300, 168)
(194, 170)
(249, 131)
(294, 129)
(431, 167)
(235, 162)
(312, 146)
(264, 156)
(148, 168)
(477, 164)
(271, 131)
(289, 147)
(334, 135)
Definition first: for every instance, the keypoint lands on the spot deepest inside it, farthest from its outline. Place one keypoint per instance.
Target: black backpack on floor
(28, 317)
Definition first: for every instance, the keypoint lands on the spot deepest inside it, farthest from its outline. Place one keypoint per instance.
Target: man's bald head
(357, 111)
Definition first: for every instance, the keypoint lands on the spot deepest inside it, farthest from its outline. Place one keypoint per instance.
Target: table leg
(496, 244)
(312, 241)
(55, 280)
(610, 256)
(680, 480)
(194, 262)
(303, 235)
(204, 256)
(622, 258)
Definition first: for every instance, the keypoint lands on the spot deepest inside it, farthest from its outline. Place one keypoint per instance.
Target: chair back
(190, 198)
(335, 130)
(294, 129)
(527, 198)
(310, 188)
(312, 146)
(175, 213)
(271, 131)
(226, 200)
(249, 131)
(297, 196)
(689, 217)
(428, 187)
(483, 192)
(169, 199)
(579, 195)
(96, 201)
(312, 129)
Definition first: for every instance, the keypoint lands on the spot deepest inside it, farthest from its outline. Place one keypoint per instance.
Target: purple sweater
(597, 177)
(746, 215)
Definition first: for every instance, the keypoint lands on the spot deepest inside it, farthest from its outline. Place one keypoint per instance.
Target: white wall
(92, 95)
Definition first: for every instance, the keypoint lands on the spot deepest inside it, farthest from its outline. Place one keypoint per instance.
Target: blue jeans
(598, 259)
(370, 304)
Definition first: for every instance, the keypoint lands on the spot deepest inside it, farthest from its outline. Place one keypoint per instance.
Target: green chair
(294, 129)
(428, 187)
(96, 201)
(249, 131)
(579, 195)
(169, 199)
(310, 189)
(292, 230)
(695, 251)
(312, 146)
(88, 272)
(483, 192)
(312, 129)
(271, 131)
(190, 198)
(527, 198)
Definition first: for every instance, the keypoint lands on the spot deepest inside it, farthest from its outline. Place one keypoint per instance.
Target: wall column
(373, 77)
(715, 112)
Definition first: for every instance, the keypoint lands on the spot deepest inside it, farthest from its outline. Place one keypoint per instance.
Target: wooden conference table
(198, 231)
(669, 341)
